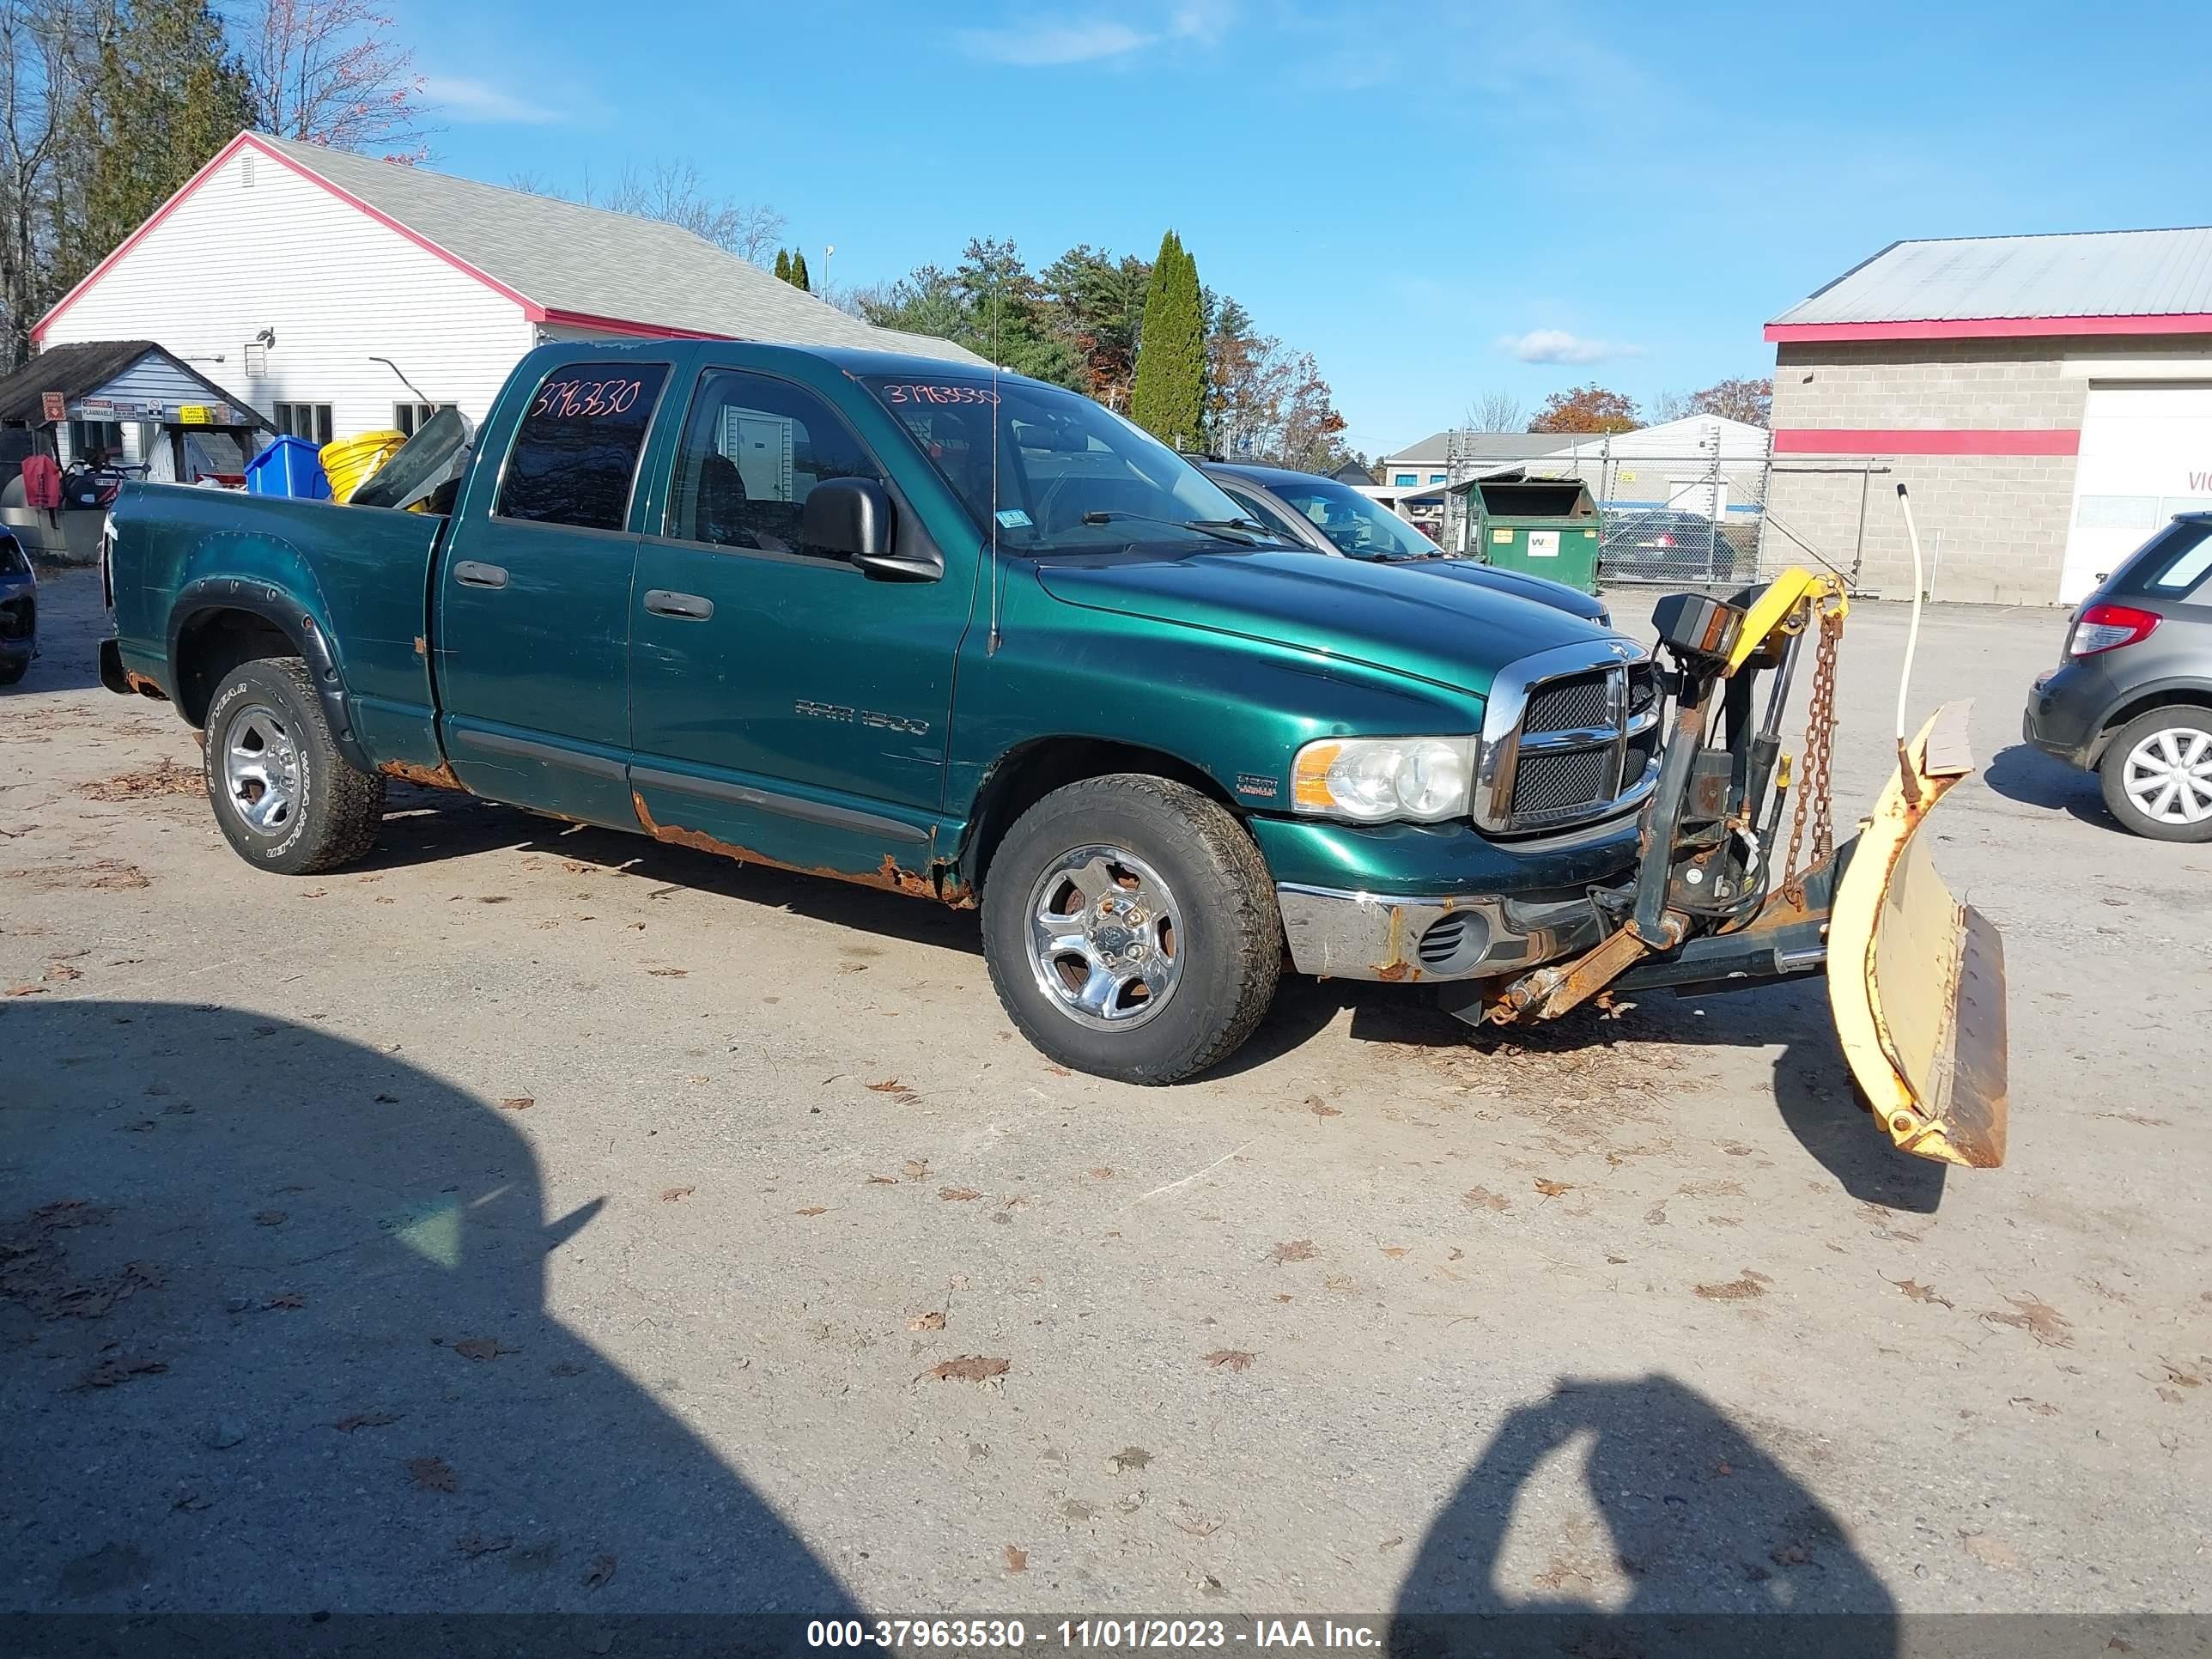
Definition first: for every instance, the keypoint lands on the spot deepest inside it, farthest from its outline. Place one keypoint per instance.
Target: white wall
(336, 285)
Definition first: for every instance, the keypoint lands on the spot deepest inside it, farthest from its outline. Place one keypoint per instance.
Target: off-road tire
(340, 808)
(1230, 936)
(2112, 768)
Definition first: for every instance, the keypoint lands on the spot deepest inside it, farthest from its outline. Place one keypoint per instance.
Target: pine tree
(165, 98)
(1168, 397)
(799, 278)
(783, 265)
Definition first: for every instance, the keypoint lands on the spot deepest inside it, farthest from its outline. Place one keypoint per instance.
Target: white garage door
(2146, 455)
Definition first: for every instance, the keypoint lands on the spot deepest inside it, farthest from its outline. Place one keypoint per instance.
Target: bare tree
(1497, 411)
(1673, 406)
(673, 193)
(329, 72)
(48, 50)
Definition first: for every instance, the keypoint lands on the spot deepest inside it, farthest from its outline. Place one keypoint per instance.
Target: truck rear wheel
(285, 798)
(1130, 927)
(2157, 773)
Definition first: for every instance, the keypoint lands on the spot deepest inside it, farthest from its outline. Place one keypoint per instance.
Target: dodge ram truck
(966, 636)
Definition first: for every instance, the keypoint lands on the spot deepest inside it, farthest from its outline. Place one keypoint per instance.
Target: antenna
(420, 397)
(994, 647)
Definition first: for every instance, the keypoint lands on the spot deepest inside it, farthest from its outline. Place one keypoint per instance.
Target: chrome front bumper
(1338, 934)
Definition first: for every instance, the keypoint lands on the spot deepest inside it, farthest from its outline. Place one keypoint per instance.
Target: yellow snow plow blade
(1916, 979)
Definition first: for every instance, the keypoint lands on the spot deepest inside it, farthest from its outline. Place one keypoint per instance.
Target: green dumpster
(1546, 526)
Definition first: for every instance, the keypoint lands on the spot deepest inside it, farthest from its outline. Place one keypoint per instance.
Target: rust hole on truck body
(440, 776)
(144, 685)
(889, 876)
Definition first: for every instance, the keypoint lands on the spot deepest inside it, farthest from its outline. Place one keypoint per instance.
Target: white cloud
(467, 99)
(1556, 345)
(1084, 40)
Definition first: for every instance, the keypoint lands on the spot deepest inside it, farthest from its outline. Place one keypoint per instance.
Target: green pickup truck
(956, 635)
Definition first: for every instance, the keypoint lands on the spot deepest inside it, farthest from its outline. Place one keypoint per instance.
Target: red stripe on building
(1992, 328)
(1965, 440)
(620, 325)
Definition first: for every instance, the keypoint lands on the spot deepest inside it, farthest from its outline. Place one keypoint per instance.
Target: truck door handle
(470, 574)
(692, 607)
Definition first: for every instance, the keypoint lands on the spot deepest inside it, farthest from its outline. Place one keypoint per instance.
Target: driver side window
(754, 447)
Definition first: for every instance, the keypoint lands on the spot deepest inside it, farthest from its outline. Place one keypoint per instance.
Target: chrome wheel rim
(1105, 938)
(2169, 777)
(261, 770)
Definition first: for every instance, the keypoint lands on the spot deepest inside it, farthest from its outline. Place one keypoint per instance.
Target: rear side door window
(575, 454)
(754, 448)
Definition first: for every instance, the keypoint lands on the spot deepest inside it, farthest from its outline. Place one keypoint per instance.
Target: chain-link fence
(1698, 516)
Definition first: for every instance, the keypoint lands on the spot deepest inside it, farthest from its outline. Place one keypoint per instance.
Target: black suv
(2132, 697)
(1311, 511)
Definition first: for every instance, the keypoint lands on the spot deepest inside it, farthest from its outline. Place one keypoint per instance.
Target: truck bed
(359, 574)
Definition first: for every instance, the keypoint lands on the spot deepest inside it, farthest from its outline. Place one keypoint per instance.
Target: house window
(88, 437)
(406, 417)
(308, 421)
(1403, 480)
(1436, 477)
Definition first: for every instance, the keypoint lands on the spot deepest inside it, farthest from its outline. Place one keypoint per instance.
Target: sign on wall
(52, 406)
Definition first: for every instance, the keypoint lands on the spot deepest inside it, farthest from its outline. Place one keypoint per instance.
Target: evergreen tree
(1168, 397)
(799, 279)
(783, 265)
(165, 97)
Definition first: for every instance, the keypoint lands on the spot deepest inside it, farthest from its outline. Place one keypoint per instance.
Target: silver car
(2132, 698)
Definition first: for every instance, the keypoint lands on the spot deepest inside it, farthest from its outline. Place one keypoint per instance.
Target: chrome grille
(1569, 737)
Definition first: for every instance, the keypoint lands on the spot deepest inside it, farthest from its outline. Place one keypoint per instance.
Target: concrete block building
(2046, 399)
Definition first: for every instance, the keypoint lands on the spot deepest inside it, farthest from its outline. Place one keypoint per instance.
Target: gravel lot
(540, 1218)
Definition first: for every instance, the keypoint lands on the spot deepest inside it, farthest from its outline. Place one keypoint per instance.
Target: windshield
(1365, 529)
(1068, 473)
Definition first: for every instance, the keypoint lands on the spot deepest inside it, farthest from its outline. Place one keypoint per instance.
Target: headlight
(1373, 778)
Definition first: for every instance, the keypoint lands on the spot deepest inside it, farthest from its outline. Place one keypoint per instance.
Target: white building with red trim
(285, 271)
(2047, 399)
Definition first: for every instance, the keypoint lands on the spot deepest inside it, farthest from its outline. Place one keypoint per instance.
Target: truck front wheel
(285, 798)
(1131, 930)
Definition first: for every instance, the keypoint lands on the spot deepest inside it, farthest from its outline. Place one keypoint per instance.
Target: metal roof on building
(2124, 281)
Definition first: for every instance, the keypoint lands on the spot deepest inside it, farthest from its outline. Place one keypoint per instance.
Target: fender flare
(292, 619)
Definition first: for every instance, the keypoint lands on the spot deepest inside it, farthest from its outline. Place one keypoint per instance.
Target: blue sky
(1436, 200)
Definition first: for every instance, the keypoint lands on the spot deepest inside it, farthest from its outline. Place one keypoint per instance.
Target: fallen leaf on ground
(1736, 1290)
(1553, 1188)
(492, 898)
(881, 1181)
(483, 1348)
(288, 1299)
(1018, 1560)
(188, 1500)
(1481, 1198)
(1790, 1555)
(1920, 1292)
(1234, 1359)
(915, 1168)
(812, 1210)
(889, 1085)
(2041, 1407)
(119, 1368)
(365, 1420)
(669, 973)
(2050, 1328)
(25, 991)
(473, 1544)
(167, 778)
(601, 1570)
(969, 1368)
(1103, 1173)
(958, 1195)
(268, 1219)
(1295, 1249)
(1990, 1552)
(1395, 1252)
(675, 1195)
(518, 1102)
(431, 1474)
(1320, 1108)
(61, 971)
(1129, 1458)
(933, 1321)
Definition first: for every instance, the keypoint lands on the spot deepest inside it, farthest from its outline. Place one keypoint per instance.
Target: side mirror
(854, 517)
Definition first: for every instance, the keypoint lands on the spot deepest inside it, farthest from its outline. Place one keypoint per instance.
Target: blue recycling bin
(289, 466)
